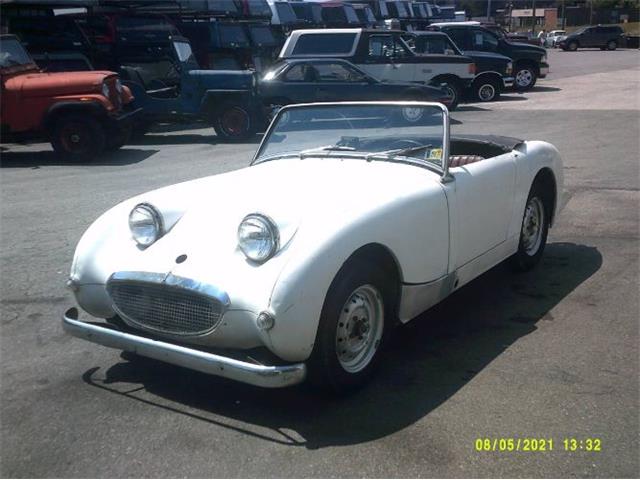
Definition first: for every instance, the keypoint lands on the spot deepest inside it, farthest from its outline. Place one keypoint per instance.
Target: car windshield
(401, 132)
(12, 54)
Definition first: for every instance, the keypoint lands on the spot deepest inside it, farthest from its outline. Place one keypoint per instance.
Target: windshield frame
(444, 171)
(18, 67)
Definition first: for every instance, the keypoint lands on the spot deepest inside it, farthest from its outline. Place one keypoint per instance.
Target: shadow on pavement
(184, 139)
(539, 88)
(125, 156)
(425, 363)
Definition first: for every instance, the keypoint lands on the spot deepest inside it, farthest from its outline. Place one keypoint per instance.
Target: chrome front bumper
(258, 375)
(508, 81)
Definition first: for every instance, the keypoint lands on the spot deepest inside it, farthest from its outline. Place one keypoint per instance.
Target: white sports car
(352, 217)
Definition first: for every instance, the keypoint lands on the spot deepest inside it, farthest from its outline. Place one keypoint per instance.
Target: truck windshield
(401, 132)
(12, 54)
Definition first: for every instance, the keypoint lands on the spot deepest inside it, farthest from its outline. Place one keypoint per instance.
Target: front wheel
(526, 77)
(534, 231)
(612, 45)
(233, 122)
(572, 47)
(78, 137)
(486, 90)
(356, 312)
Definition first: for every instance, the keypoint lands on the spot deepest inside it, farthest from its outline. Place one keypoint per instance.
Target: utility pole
(564, 14)
(488, 10)
(533, 18)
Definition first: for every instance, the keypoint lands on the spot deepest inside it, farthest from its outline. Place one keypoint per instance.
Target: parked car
(224, 98)
(81, 113)
(384, 55)
(529, 61)
(604, 37)
(494, 72)
(352, 218)
(334, 80)
(554, 37)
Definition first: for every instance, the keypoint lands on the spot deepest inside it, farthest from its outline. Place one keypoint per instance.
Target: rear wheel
(486, 89)
(534, 230)
(356, 313)
(572, 46)
(454, 91)
(233, 122)
(78, 137)
(612, 45)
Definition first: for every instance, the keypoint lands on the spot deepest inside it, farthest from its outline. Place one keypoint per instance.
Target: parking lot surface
(550, 354)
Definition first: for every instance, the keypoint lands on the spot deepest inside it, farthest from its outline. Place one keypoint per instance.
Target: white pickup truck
(382, 54)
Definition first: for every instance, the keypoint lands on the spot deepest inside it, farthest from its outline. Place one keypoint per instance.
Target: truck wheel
(486, 89)
(526, 77)
(534, 230)
(78, 137)
(118, 138)
(354, 317)
(612, 45)
(233, 123)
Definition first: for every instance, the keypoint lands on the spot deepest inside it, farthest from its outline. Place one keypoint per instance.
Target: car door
(297, 84)
(484, 193)
(337, 82)
(589, 37)
(385, 59)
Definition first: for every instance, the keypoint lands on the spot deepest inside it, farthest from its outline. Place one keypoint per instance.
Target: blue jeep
(226, 99)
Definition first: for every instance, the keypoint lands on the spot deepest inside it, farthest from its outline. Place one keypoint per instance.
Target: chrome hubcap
(532, 226)
(487, 92)
(360, 328)
(524, 78)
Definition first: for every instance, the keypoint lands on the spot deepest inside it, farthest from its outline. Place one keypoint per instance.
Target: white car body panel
(442, 233)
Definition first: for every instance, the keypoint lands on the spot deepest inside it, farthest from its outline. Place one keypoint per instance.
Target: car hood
(486, 55)
(328, 190)
(62, 83)
(528, 46)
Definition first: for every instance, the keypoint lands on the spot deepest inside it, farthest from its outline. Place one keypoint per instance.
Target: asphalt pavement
(551, 354)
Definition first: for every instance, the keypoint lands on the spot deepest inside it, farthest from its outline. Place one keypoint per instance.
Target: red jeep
(81, 113)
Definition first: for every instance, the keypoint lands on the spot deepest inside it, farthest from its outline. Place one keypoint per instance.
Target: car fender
(317, 254)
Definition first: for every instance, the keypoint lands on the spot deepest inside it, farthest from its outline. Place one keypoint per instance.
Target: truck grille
(165, 308)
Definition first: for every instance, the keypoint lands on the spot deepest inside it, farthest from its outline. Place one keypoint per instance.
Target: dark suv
(529, 61)
(601, 36)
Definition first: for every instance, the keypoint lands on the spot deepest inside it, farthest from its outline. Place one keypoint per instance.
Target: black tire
(572, 46)
(233, 122)
(78, 137)
(326, 369)
(117, 138)
(486, 89)
(612, 45)
(454, 90)
(528, 255)
(525, 77)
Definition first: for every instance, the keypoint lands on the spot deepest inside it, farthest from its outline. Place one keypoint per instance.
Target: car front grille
(165, 308)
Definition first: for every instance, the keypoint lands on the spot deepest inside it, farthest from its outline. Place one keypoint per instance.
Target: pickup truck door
(385, 59)
(484, 193)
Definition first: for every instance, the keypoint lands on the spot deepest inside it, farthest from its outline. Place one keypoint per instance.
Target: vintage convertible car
(352, 218)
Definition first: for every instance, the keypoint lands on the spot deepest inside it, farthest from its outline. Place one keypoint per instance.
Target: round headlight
(145, 224)
(105, 90)
(258, 237)
(118, 86)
